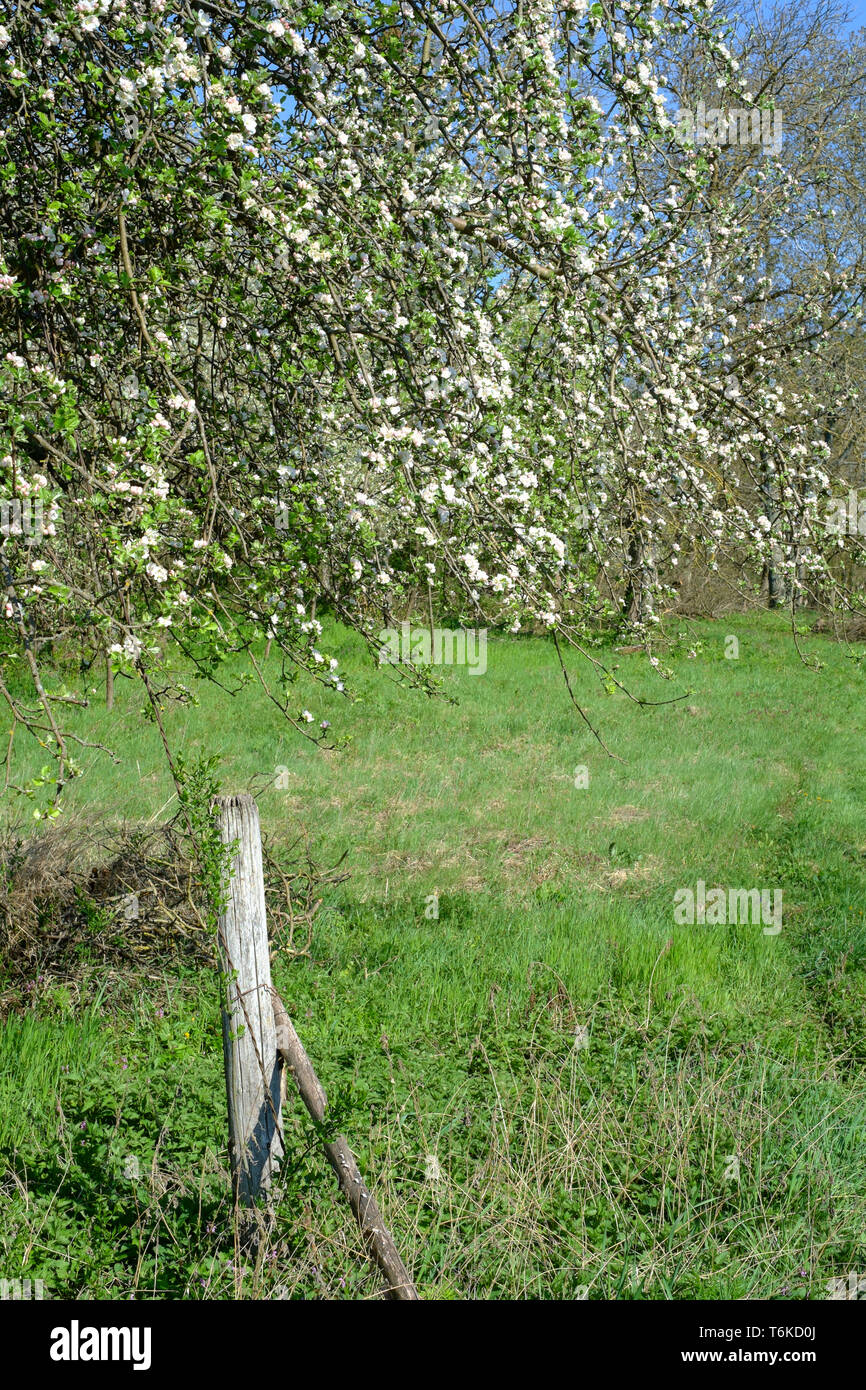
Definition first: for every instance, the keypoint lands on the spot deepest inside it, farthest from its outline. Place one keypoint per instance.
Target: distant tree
(794, 300)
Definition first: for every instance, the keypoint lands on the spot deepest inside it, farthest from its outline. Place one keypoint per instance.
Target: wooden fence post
(252, 1064)
(259, 1037)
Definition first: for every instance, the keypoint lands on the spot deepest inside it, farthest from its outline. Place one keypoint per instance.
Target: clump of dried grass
(846, 628)
(73, 898)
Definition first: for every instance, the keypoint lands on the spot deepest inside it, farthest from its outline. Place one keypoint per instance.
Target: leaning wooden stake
(380, 1245)
(252, 1065)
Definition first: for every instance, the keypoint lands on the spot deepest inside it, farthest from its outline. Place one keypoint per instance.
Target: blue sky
(858, 13)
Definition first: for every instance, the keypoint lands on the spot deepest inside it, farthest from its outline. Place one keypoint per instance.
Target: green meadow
(554, 1090)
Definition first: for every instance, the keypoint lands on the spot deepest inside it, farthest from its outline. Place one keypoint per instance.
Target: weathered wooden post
(252, 1063)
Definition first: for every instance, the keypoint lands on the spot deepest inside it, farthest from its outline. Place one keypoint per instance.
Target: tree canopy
(310, 303)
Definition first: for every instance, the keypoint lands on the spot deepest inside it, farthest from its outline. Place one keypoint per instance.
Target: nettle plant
(312, 302)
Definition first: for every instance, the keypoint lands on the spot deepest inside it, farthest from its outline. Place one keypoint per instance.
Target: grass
(554, 1090)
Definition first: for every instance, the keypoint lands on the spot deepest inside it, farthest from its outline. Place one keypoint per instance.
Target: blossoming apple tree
(306, 302)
